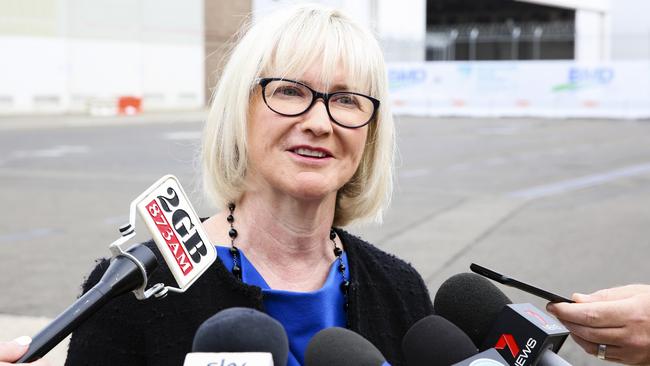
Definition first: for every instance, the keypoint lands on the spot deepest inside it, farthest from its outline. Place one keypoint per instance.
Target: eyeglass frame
(263, 82)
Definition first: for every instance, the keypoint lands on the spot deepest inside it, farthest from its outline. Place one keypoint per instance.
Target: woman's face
(306, 156)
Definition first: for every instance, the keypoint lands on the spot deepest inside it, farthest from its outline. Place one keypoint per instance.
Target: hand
(12, 351)
(616, 317)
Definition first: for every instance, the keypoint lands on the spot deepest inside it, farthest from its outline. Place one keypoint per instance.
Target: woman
(299, 142)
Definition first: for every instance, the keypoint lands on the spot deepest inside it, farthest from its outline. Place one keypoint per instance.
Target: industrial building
(127, 56)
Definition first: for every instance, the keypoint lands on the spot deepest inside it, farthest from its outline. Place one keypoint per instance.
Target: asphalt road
(563, 204)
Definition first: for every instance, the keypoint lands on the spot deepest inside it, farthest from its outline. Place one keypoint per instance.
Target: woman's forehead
(315, 78)
(323, 78)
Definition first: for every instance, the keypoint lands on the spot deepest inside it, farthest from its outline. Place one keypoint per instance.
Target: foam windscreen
(242, 330)
(435, 341)
(471, 302)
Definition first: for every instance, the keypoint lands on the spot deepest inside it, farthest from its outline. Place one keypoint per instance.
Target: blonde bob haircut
(285, 44)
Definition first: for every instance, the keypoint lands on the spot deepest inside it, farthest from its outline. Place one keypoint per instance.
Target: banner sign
(557, 89)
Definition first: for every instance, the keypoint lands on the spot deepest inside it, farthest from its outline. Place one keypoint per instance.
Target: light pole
(451, 45)
(537, 42)
(514, 43)
(473, 35)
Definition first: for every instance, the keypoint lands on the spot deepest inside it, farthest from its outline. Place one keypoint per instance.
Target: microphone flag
(176, 229)
(521, 332)
(228, 359)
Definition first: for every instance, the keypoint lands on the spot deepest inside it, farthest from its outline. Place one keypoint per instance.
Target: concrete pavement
(558, 203)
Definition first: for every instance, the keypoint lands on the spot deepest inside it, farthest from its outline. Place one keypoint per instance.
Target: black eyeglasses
(292, 98)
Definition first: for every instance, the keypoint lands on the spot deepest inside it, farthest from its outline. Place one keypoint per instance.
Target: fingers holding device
(612, 324)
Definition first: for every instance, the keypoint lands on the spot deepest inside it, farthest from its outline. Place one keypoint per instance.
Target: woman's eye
(289, 91)
(347, 100)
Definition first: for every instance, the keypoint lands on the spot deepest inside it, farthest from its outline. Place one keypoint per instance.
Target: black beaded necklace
(236, 265)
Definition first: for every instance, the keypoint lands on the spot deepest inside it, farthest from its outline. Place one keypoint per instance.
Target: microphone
(489, 357)
(184, 247)
(471, 302)
(523, 334)
(123, 275)
(239, 335)
(435, 341)
(342, 347)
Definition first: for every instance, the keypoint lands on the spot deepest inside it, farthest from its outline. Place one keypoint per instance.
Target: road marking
(580, 183)
(53, 152)
(76, 175)
(183, 135)
(26, 235)
(438, 239)
(83, 121)
(460, 167)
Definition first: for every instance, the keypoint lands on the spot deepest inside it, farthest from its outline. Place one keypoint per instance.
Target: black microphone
(434, 341)
(471, 302)
(175, 227)
(523, 334)
(342, 347)
(239, 330)
(123, 275)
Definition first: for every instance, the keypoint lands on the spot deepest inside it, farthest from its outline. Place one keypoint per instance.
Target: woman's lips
(311, 152)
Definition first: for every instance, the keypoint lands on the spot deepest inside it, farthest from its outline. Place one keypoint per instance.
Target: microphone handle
(65, 323)
(121, 276)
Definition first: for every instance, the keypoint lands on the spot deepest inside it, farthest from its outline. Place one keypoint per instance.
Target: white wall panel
(103, 50)
(525, 88)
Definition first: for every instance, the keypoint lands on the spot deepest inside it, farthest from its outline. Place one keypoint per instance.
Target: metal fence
(505, 41)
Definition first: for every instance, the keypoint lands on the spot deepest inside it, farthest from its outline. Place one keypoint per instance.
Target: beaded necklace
(236, 265)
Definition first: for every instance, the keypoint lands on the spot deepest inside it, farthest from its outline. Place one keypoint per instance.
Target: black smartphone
(508, 281)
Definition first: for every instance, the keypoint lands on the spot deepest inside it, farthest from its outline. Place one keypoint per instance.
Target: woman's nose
(317, 120)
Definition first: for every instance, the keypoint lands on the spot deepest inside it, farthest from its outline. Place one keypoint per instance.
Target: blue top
(302, 314)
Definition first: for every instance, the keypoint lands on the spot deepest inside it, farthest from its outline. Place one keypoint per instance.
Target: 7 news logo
(521, 356)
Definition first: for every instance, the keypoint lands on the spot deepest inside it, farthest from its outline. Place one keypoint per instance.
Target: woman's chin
(312, 187)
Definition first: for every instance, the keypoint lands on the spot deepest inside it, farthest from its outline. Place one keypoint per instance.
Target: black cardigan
(386, 297)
